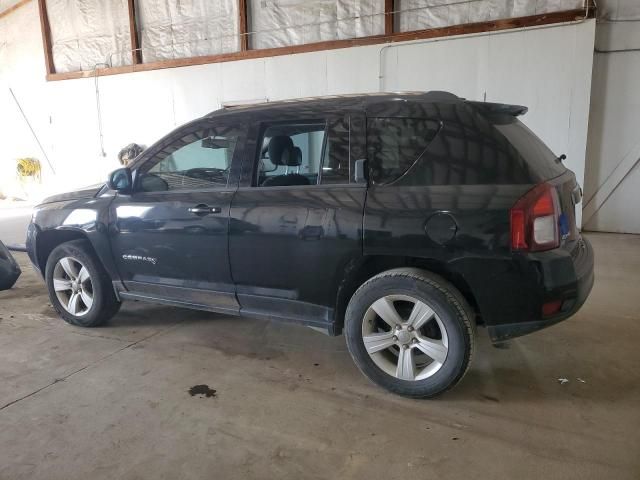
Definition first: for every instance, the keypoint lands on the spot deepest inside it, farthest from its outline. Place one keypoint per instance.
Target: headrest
(296, 158)
(280, 150)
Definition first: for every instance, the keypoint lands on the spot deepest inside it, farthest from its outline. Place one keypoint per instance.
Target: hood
(85, 192)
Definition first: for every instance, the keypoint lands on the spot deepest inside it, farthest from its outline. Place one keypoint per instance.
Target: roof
(345, 101)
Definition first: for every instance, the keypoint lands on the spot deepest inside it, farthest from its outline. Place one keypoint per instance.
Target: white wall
(612, 184)
(547, 69)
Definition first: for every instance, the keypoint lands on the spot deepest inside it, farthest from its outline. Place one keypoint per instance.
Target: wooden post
(389, 17)
(242, 14)
(136, 53)
(46, 37)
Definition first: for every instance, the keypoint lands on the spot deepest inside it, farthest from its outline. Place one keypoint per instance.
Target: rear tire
(411, 332)
(79, 288)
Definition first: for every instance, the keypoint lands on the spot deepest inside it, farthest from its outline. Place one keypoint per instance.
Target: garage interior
(162, 392)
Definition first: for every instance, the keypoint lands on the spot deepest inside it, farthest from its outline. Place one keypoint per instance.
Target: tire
(95, 301)
(398, 362)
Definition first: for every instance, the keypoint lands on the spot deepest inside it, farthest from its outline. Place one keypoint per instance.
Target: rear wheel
(410, 332)
(79, 288)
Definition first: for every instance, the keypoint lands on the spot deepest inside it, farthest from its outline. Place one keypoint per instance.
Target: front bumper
(571, 282)
(31, 242)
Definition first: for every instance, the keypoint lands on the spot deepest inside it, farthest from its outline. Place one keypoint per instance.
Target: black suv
(403, 219)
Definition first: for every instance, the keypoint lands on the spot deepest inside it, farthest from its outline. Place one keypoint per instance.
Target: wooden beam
(13, 8)
(496, 25)
(46, 38)
(136, 53)
(243, 29)
(389, 17)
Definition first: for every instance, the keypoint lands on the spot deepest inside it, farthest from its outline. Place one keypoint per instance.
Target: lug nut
(415, 340)
(395, 339)
(405, 346)
(410, 329)
(398, 327)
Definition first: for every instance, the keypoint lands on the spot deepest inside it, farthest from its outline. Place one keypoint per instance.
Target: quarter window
(395, 144)
(200, 159)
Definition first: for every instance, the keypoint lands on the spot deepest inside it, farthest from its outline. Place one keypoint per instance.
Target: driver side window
(200, 159)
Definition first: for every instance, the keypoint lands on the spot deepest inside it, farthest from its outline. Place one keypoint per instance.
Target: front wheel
(79, 288)
(410, 331)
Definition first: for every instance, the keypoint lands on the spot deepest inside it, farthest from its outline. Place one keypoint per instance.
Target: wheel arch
(49, 239)
(371, 265)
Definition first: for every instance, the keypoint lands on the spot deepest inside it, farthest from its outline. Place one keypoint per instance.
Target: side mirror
(120, 180)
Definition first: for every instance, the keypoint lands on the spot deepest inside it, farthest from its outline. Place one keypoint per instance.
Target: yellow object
(28, 167)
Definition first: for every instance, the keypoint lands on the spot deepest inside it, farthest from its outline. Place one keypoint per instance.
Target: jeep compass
(405, 221)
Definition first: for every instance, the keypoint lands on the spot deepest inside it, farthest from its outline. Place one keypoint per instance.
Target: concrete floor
(114, 402)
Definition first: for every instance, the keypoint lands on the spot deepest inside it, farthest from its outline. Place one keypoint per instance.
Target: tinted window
(538, 156)
(395, 144)
(305, 153)
(291, 154)
(468, 149)
(197, 160)
(335, 167)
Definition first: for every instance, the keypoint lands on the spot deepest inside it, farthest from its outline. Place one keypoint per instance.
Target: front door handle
(203, 209)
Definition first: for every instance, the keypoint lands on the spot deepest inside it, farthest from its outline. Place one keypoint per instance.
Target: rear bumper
(565, 278)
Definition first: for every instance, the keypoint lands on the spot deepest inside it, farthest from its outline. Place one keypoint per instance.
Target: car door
(170, 236)
(296, 219)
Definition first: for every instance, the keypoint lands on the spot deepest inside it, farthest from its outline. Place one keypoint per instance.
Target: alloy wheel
(405, 337)
(73, 286)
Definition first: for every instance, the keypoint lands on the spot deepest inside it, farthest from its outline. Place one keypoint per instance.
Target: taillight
(534, 220)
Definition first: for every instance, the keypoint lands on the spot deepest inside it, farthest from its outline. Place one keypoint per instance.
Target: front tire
(411, 332)
(79, 288)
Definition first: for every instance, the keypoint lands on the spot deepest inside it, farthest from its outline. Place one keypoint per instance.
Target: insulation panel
(424, 14)
(187, 28)
(89, 34)
(279, 23)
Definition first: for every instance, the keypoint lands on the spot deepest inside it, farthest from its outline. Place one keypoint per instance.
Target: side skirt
(323, 327)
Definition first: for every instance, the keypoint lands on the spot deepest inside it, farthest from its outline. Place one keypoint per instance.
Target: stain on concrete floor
(202, 391)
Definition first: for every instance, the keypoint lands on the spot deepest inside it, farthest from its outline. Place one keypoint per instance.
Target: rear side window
(304, 153)
(539, 158)
(394, 145)
(291, 154)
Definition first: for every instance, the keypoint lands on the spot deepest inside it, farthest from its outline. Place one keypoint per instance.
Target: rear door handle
(204, 209)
